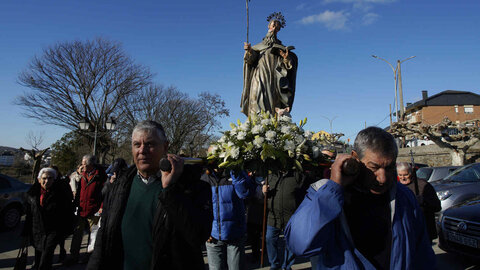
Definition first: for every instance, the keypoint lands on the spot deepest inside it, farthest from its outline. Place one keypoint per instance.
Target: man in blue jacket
(226, 245)
(362, 221)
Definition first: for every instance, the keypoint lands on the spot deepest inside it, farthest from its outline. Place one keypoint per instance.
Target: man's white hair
(151, 127)
(90, 159)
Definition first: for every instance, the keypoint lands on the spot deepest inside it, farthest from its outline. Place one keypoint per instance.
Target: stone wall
(434, 155)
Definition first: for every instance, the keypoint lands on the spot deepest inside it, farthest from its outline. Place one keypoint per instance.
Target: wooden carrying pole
(264, 223)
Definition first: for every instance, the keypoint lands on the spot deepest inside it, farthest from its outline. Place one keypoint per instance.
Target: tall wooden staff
(247, 18)
(414, 176)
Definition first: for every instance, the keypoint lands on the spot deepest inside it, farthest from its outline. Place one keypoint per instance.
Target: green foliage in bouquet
(266, 142)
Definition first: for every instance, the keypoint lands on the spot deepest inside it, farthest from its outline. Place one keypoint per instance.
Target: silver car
(460, 186)
(12, 194)
(435, 173)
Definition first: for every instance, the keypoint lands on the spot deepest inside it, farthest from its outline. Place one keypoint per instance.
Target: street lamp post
(331, 121)
(396, 71)
(109, 126)
(191, 146)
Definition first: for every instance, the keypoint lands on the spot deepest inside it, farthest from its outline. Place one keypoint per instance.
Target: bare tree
(37, 157)
(34, 140)
(457, 137)
(74, 81)
(188, 122)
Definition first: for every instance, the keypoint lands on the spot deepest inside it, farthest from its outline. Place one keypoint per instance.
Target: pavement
(10, 241)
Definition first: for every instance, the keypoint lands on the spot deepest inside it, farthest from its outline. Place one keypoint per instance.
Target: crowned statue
(269, 73)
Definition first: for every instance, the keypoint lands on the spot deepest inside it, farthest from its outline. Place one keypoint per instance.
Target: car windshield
(465, 174)
(424, 173)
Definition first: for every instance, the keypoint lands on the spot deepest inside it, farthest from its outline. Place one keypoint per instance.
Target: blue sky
(198, 46)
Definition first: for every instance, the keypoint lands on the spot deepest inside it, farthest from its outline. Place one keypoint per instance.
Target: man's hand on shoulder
(175, 173)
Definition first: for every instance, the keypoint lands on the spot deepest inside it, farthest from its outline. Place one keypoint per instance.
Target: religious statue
(269, 73)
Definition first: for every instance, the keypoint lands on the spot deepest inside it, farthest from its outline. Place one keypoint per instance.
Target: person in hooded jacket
(363, 219)
(226, 245)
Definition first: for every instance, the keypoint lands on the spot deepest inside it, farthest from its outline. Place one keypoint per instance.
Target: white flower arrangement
(266, 142)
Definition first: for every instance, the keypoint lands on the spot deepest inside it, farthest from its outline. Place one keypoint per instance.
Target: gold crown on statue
(277, 16)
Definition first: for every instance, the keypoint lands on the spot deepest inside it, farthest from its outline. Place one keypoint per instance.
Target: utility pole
(390, 110)
(397, 80)
(400, 92)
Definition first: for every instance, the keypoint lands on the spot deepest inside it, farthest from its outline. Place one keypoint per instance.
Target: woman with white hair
(49, 216)
(425, 194)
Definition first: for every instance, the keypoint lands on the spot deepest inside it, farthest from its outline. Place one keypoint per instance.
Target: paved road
(10, 241)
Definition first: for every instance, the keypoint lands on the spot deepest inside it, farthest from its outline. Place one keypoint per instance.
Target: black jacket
(286, 192)
(54, 219)
(430, 204)
(182, 223)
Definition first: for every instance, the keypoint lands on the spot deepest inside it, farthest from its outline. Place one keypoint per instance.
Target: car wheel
(11, 217)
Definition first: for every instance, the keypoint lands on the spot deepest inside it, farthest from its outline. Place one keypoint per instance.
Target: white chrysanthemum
(285, 129)
(235, 152)
(257, 129)
(316, 152)
(233, 132)
(285, 118)
(266, 121)
(258, 142)
(241, 135)
(299, 139)
(270, 135)
(245, 126)
(222, 139)
(289, 145)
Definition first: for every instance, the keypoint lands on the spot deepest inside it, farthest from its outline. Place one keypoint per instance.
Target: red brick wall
(435, 114)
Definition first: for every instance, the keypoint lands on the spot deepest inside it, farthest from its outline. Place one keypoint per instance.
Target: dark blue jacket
(228, 192)
(319, 227)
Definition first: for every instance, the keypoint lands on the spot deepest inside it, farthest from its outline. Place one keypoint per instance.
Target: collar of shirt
(151, 178)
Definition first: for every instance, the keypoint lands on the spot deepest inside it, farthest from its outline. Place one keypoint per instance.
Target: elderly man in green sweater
(154, 219)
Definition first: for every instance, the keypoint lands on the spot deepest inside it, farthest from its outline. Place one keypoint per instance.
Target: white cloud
(359, 1)
(332, 20)
(370, 18)
(301, 6)
(362, 5)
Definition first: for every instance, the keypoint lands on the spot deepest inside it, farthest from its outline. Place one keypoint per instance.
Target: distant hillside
(7, 148)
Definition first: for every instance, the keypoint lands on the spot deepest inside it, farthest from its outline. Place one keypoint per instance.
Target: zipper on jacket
(218, 214)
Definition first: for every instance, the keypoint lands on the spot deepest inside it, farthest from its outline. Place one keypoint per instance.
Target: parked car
(458, 187)
(12, 194)
(435, 173)
(459, 230)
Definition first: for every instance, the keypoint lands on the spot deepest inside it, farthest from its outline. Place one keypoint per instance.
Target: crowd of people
(145, 216)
